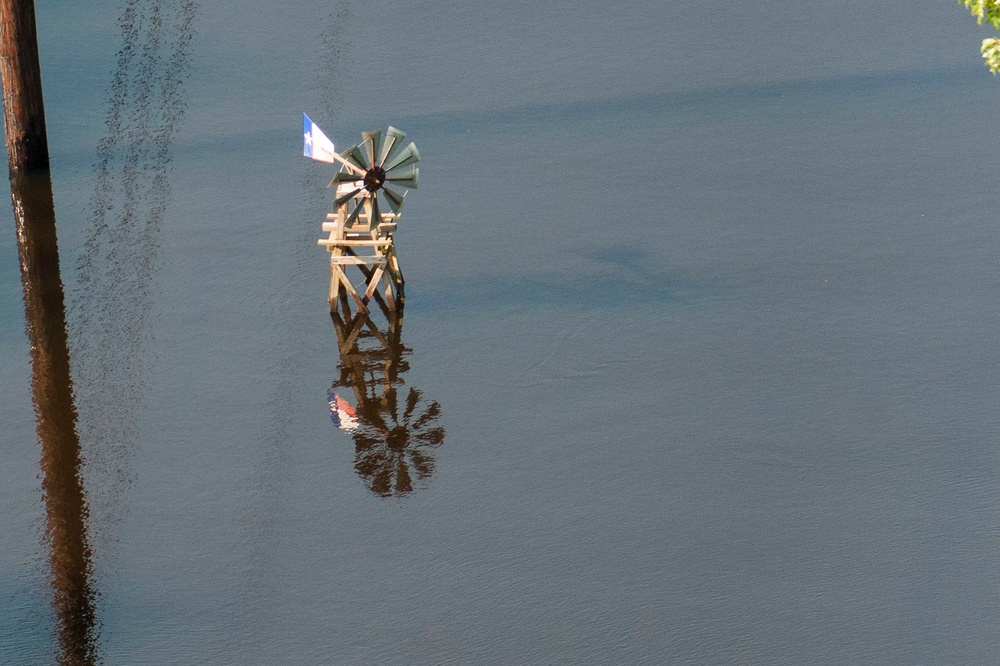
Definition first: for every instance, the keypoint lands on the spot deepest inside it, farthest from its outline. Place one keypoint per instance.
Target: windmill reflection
(395, 429)
(73, 597)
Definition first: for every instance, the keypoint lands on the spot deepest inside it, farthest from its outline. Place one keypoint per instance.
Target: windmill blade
(341, 200)
(344, 177)
(411, 403)
(376, 215)
(395, 200)
(392, 404)
(404, 484)
(372, 141)
(355, 157)
(422, 462)
(432, 437)
(431, 415)
(346, 154)
(407, 178)
(408, 156)
(393, 142)
(353, 217)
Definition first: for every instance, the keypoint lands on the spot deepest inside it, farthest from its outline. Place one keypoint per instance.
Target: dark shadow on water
(66, 513)
(395, 429)
(608, 285)
(636, 108)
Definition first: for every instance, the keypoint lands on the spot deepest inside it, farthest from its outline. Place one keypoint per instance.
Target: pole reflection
(393, 443)
(73, 598)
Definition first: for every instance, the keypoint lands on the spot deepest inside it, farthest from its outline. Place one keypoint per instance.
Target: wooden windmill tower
(366, 210)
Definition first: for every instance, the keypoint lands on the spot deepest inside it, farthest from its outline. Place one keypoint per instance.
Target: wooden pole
(21, 77)
(45, 315)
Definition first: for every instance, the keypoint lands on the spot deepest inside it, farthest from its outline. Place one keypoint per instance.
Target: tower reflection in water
(395, 429)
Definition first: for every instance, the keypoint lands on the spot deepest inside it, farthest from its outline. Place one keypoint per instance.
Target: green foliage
(984, 10)
(991, 54)
(987, 11)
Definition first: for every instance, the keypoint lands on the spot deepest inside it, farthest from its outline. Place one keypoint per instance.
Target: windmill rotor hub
(374, 178)
(398, 438)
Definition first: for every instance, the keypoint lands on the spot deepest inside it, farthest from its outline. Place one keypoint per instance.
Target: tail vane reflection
(393, 451)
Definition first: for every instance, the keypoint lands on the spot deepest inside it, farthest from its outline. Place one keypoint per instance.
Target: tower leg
(334, 287)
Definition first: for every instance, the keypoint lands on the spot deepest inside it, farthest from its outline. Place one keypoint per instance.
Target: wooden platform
(363, 262)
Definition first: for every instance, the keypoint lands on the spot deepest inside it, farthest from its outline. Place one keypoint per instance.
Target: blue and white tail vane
(315, 144)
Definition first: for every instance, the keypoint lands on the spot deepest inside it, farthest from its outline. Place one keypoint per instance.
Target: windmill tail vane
(315, 144)
(366, 210)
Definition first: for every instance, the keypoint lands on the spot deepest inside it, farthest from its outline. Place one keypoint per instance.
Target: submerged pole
(73, 598)
(45, 313)
(21, 78)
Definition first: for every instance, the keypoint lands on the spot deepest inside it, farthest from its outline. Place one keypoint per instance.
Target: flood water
(699, 358)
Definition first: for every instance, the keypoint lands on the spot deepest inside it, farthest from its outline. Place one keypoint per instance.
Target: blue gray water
(707, 300)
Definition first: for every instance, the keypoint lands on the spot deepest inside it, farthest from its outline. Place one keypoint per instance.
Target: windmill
(366, 210)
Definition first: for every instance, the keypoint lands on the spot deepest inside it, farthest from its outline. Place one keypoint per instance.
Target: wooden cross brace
(366, 246)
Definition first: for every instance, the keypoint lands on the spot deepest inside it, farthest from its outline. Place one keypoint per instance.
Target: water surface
(706, 303)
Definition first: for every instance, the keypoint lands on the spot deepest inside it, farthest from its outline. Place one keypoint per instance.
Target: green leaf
(991, 54)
